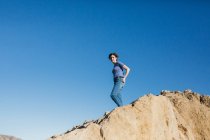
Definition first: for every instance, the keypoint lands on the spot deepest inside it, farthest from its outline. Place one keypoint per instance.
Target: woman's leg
(116, 93)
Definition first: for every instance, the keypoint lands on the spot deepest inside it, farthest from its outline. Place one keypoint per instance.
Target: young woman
(119, 78)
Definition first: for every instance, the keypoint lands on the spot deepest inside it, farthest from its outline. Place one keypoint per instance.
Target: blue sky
(53, 55)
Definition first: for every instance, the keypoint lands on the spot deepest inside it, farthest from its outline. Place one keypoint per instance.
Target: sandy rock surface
(173, 115)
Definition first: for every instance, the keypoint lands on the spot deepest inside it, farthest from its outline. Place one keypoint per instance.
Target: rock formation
(4, 137)
(172, 115)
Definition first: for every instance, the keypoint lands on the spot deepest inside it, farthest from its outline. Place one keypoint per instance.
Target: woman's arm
(127, 72)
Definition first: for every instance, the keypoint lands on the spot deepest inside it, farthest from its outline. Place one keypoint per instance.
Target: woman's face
(113, 58)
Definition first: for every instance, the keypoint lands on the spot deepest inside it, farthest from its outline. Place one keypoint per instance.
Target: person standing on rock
(119, 78)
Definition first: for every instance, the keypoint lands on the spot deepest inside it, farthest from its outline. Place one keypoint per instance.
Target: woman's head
(113, 57)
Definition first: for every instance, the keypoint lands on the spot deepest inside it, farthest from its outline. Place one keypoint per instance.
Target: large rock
(169, 116)
(4, 137)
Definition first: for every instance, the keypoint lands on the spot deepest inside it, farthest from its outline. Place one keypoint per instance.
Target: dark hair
(115, 54)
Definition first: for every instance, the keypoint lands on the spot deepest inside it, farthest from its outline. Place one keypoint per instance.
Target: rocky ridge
(172, 115)
(5, 137)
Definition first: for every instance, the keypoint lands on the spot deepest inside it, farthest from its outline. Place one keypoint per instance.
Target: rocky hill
(4, 137)
(172, 115)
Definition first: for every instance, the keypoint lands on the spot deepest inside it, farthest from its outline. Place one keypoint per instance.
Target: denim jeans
(116, 91)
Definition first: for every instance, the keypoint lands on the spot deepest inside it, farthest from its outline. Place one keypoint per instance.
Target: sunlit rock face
(172, 115)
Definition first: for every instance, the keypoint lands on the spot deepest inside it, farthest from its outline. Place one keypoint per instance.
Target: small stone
(178, 92)
(164, 92)
(106, 113)
(188, 91)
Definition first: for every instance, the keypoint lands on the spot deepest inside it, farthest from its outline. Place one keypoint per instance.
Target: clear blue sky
(54, 71)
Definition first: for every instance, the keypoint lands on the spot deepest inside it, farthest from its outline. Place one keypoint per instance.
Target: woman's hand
(126, 74)
(123, 80)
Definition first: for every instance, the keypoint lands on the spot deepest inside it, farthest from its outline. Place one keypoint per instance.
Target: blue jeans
(116, 91)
